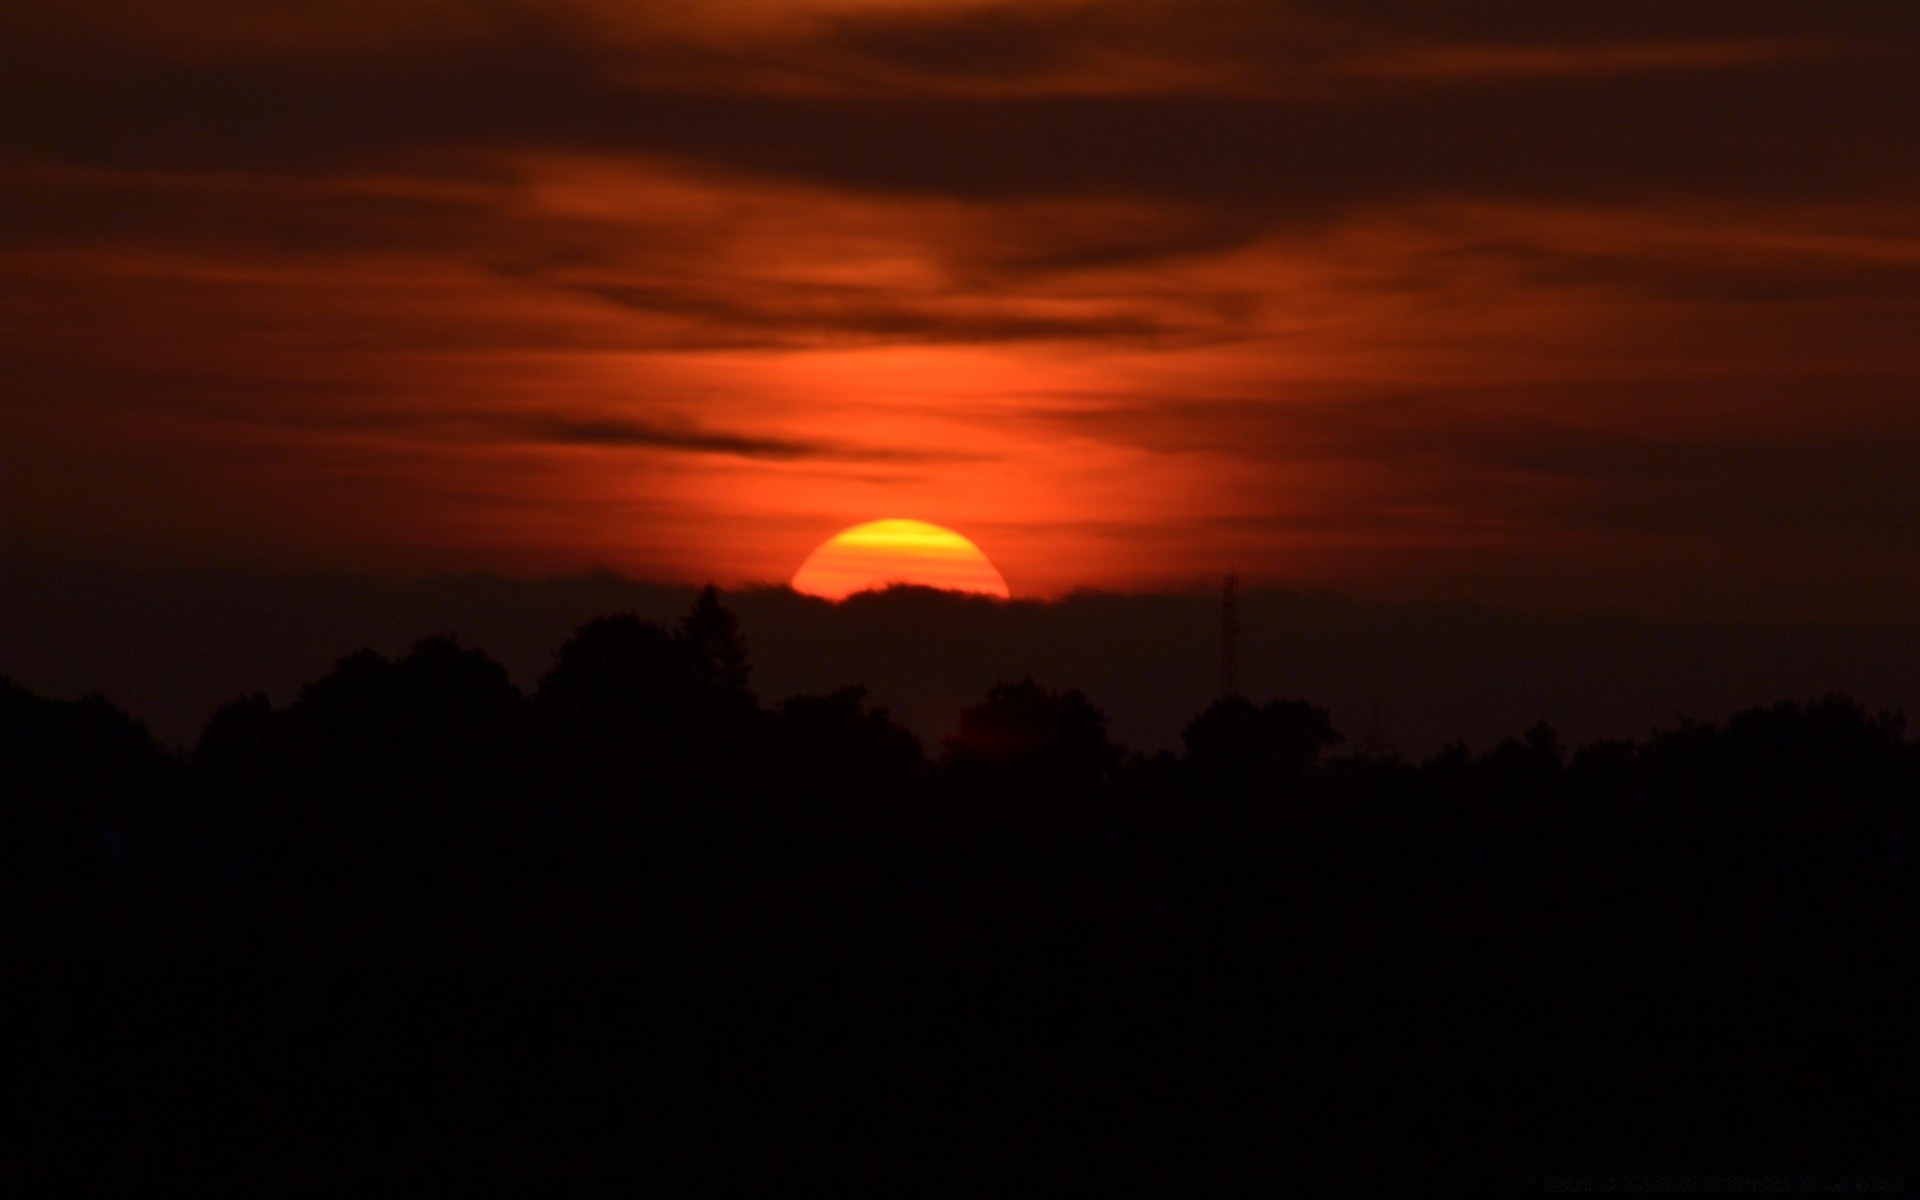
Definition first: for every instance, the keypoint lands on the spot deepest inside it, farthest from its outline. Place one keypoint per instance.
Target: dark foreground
(418, 930)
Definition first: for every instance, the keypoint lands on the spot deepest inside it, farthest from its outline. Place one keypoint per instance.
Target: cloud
(1721, 117)
(800, 314)
(1350, 292)
(620, 433)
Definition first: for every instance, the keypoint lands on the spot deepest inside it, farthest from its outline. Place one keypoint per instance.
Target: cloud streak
(617, 433)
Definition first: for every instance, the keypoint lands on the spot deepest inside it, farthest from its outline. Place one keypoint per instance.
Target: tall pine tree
(712, 634)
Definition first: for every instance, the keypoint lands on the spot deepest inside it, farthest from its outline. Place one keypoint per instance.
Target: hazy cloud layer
(1490, 298)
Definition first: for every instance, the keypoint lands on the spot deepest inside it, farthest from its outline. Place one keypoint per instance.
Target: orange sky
(1543, 307)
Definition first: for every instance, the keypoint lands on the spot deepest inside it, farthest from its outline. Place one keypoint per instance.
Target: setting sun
(879, 554)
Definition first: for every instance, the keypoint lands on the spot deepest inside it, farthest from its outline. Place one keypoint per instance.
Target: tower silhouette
(1230, 636)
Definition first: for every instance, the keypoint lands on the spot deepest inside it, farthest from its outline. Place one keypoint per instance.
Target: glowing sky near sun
(1540, 303)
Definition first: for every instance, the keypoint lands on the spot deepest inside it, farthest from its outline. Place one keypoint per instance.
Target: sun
(881, 553)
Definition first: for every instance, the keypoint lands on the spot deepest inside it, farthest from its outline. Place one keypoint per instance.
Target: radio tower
(1230, 637)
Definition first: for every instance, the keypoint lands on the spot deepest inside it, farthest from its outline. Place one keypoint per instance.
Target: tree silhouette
(1039, 737)
(621, 669)
(711, 634)
(1241, 748)
(75, 778)
(415, 899)
(1528, 766)
(651, 746)
(387, 769)
(840, 744)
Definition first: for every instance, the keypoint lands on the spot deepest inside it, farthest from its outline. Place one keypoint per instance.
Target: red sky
(1497, 299)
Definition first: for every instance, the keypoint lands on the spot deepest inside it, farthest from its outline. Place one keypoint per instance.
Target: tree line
(1270, 953)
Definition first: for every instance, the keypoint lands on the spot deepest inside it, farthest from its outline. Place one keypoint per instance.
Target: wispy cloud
(618, 433)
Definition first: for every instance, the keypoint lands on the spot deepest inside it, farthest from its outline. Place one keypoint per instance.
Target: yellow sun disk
(881, 553)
